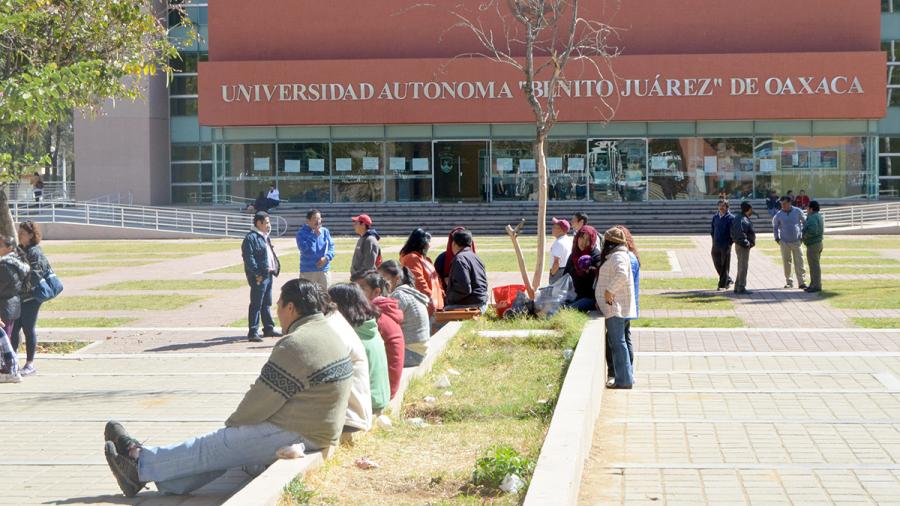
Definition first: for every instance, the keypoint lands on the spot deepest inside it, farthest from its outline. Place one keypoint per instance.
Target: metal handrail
(53, 190)
(863, 215)
(168, 219)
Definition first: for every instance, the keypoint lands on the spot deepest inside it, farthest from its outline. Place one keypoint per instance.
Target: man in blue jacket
(316, 250)
(720, 231)
(261, 265)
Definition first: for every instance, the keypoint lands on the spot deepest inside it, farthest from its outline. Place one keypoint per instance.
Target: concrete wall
(126, 148)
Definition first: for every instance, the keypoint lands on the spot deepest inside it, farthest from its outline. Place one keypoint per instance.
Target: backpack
(47, 287)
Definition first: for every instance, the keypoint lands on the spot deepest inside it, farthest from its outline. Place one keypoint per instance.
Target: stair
(654, 217)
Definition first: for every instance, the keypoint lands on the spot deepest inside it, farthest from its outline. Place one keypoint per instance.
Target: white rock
(416, 422)
(429, 399)
(454, 372)
(448, 393)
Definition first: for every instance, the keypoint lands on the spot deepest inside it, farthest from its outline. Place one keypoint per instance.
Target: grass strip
(833, 269)
(859, 261)
(242, 323)
(174, 284)
(686, 300)
(678, 283)
(105, 265)
(504, 395)
(85, 322)
(56, 347)
(729, 322)
(863, 294)
(74, 273)
(181, 247)
(877, 323)
(120, 303)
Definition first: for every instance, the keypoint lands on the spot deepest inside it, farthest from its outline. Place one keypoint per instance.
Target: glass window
(617, 169)
(825, 167)
(566, 170)
(248, 169)
(303, 170)
(889, 188)
(890, 5)
(183, 85)
(889, 166)
(697, 168)
(183, 107)
(408, 171)
(191, 194)
(185, 172)
(357, 169)
(185, 152)
(513, 171)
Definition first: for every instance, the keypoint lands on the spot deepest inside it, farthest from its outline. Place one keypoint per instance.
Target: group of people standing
(22, 266)
(791, 226)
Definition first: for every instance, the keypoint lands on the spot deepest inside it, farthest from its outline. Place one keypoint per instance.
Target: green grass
(685, 300)
(862, 294)
(678, 283)
(105, 265)
(120, 303)
(242, 323)
(877, 323)
(655, 261)
(174, 284)
(690, 323)
(852, 253)
(56, 347)
(859, 261)
(74, 273)
(504, 396)
(831, 269)
(131, 246)
(85, 322)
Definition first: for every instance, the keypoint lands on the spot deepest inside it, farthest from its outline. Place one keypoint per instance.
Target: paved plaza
(798, 407)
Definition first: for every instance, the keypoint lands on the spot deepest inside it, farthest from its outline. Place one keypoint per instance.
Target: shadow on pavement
(216, 341)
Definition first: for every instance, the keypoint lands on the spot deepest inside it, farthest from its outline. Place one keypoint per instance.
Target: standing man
(316, 250)
(788, 223)
(720, 231)
(561, 249)
(744, 239)
(261, 265)
(367, 255)
(813, 232)
(467, 286)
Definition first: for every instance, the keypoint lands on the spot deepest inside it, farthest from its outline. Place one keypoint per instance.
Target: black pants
(27, 323)
(722, 260)
(610, 370)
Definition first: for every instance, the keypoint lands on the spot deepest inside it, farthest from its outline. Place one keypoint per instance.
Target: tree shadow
(209, 343)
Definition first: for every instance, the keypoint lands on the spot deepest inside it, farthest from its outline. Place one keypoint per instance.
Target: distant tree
(541, 39)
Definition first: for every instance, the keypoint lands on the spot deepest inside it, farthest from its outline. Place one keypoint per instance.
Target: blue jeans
(189, 465)
(584, 304)
(610, 369)
(260, 304)
(27, 323)
(615, 336)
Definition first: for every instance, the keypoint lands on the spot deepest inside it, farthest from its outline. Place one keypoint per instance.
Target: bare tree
(541, 39)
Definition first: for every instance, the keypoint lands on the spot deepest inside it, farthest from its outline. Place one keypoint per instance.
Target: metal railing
(53, 190)
(864, 216)
(125, 199)
(167, 219)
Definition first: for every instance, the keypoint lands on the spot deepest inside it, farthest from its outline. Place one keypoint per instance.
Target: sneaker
(254, 338)
(803, 286)
(813, 290)
(124, 469)
(28, 370)
(610, 382)
(271, 333)
(789, 285)
(10, 378)
(116, 433)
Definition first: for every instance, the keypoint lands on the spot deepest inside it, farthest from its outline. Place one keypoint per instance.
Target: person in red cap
(367, 255)
(561, 249)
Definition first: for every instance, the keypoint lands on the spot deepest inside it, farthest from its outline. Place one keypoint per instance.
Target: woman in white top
(615, 299)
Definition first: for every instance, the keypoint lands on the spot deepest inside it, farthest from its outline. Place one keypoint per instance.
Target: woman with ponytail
(414, 304)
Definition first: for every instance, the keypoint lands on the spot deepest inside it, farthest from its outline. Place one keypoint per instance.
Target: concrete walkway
(799, 408)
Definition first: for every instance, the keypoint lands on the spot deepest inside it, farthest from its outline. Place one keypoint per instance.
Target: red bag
(504, 297)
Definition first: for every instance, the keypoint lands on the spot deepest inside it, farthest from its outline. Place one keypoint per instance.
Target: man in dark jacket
(720, 231)
(261, 265)
(744, 239)
(468, 279)
(367, 255)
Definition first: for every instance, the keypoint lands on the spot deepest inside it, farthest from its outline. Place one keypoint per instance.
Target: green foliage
(498, 462)
(57, 56)
(296, 492)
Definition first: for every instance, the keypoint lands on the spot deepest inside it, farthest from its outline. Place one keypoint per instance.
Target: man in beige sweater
(300, 396)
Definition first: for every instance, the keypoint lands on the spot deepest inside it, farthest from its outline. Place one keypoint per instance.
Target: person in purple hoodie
(316, 250)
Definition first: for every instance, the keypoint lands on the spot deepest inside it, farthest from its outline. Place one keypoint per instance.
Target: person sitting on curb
(261, 265)
(560, 250)
(414, 256)
(467, 286)
(367, 255)
(273, 198)
(301, 396)
(744, 239)
(351, 302)
(582, 267)
(390, 321)
(414, 304)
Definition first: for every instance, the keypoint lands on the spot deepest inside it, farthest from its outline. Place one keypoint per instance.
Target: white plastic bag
(551, 298)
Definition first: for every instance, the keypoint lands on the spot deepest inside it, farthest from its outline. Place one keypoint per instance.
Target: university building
(354, 101)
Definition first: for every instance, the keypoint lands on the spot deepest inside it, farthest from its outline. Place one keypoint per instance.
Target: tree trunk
(541, 162)
(7, 225)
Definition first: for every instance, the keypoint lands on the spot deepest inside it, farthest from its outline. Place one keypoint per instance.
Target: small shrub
(498, 462)
(296, 492)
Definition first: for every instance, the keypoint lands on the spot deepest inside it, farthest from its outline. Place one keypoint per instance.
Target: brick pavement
(798, 408)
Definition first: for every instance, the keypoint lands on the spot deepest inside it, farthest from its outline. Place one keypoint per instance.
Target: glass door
(618, 169)
(459, 169)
